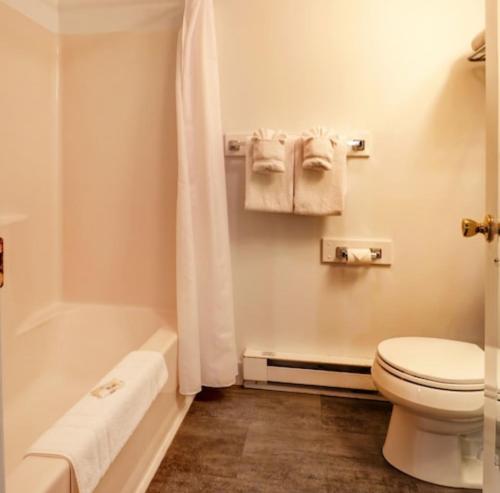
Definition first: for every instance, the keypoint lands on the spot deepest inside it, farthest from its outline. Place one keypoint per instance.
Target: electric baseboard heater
(313, 374)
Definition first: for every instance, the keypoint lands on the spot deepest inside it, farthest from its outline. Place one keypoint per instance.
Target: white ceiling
(93, 16)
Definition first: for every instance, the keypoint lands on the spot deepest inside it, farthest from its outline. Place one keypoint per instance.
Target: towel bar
(355, 144)
(359, 146)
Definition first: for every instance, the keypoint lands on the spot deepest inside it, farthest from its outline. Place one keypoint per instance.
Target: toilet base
(439, 452)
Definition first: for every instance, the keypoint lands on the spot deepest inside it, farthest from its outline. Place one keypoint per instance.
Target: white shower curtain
(207, 348)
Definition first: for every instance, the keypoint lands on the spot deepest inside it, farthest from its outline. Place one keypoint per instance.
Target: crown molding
(99, 16)
(41, 12)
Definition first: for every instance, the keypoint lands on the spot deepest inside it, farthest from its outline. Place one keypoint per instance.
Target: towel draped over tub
(92, 433)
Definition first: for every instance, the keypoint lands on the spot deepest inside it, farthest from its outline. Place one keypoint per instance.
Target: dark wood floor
(255, 441)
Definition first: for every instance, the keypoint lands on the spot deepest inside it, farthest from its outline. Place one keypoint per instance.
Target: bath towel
(268, 151)
(92, 433)
(479, 41)
(318, 144)
(320, 193)
(269, 192)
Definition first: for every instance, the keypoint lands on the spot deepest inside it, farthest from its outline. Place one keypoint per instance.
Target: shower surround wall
(89, 149)
(87, 209)
(396, 68)
(120, 163)
(30, 184)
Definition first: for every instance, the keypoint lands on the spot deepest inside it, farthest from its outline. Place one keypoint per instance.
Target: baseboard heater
(309, 374)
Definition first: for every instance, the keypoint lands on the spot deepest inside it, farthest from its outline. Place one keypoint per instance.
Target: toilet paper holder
(341, 253)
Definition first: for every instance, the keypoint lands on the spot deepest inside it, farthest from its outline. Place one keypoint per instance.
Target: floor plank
(240, 440)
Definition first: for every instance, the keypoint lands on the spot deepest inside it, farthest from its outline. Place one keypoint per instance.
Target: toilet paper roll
(359, 256)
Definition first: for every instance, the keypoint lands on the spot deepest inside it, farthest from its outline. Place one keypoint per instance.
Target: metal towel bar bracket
(235, 145)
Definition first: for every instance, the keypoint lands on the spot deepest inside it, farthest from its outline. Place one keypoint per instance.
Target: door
(492, 327)
(2, 462)
(490, 228)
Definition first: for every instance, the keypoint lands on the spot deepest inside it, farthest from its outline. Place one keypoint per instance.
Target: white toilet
(437, 388)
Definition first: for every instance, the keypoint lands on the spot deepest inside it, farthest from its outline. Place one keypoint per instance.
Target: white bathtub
(56, 359)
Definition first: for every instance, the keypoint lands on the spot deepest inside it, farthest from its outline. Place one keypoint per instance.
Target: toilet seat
(426, 400)
(460, 387)
(437, 363)
(437, 377)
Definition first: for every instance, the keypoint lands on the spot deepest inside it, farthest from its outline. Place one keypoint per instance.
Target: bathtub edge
(160, 454)
(56, 471)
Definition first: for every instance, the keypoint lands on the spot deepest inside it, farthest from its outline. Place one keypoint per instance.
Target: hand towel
(318, 149)
(269, 192)
(92, 433)
(268, 151)
(320, 194)
(479, 41)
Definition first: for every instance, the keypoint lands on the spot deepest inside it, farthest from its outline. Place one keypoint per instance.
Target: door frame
(492, 272)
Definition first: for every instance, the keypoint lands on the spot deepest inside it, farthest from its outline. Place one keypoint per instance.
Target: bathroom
(100, 263)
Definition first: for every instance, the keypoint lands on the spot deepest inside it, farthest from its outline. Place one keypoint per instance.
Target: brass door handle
(489, 228)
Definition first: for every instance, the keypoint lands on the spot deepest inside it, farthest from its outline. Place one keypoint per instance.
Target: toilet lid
(436, 360)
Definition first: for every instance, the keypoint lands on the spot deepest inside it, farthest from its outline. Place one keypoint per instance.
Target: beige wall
(119, 154)
(395, 68)
(88, 159)
(29, 183)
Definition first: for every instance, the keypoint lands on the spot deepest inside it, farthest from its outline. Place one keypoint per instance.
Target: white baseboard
(304, 389)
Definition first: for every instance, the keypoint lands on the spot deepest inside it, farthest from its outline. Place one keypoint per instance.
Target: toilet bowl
(437, 389)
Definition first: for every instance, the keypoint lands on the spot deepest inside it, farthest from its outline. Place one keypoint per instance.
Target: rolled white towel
(320, 193)
(479, 41)
(318, 149)
(270, 192)
(268, 151)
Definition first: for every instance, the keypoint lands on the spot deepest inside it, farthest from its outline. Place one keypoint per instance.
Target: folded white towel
(268, 151)
(318, 149)
(269, 192)
(479, 41)
(320, 194)
(92, 433)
